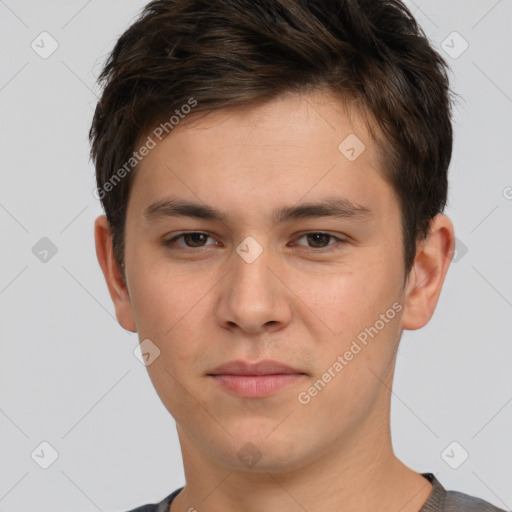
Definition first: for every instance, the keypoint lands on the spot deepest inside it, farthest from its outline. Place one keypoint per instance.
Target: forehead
(293, 147)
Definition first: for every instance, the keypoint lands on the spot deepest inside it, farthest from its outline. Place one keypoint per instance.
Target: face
(253, 237)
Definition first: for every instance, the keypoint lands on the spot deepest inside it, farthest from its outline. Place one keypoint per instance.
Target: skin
(204, 305)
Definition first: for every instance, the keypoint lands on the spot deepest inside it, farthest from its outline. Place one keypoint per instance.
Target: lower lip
(256, 386)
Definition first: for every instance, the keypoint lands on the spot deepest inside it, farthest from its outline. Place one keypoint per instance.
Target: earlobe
(427, 276)
(115, 283)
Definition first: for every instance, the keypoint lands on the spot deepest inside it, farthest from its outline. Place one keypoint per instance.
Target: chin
(261, 452)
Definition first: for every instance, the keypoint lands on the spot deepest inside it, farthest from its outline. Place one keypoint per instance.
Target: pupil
(317, 237)
(195, 237)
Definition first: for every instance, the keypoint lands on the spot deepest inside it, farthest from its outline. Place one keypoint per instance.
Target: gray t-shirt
(439, 500)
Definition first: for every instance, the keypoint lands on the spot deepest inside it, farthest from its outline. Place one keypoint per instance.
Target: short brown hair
(234, 53)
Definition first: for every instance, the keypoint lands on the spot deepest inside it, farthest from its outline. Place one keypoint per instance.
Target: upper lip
(261, 368)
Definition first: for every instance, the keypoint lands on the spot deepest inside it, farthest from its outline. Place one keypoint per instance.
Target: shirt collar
(434, 503)
(437, 497)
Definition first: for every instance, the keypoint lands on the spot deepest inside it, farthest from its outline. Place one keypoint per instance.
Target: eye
(192, 240)
(319, 240)
(197, 240)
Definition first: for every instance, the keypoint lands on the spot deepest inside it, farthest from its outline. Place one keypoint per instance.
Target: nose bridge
(252, 297)
(252, 279)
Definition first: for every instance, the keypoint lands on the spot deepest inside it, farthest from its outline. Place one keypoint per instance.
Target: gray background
(68, 373)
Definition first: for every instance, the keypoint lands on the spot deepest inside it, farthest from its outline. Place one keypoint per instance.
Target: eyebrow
(338, 207)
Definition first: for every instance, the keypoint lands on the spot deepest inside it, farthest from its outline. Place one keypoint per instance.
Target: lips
(255, 380)
(260, 368)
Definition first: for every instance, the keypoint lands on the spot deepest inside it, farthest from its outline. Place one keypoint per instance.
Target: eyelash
(169, 243)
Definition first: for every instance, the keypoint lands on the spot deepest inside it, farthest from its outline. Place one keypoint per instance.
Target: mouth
(255, 380)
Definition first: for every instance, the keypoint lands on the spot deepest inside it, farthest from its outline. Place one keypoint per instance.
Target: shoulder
(145, 508)
(459, 502)
(441, 500)
(162, 506)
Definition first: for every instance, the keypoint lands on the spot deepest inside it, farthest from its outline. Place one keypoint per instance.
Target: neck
(359, 473)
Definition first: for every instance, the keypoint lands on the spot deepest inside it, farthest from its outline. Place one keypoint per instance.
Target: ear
(423, 288)
(115, 283)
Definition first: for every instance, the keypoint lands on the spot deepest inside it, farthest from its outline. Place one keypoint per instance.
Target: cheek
(163, 294)
(173, 309)
(348, 299)
(362, 310)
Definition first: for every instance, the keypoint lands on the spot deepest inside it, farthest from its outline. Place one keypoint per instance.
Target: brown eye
(318, 240)
(195, 239)
(192, 240)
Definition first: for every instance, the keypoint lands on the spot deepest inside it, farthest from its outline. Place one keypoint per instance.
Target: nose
(253, 297)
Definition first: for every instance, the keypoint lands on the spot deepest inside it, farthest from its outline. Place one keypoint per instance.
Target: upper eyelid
(183, 233)
(174, 238)
(337, 238)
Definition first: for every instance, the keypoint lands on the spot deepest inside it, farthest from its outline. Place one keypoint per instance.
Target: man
(273, 175)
